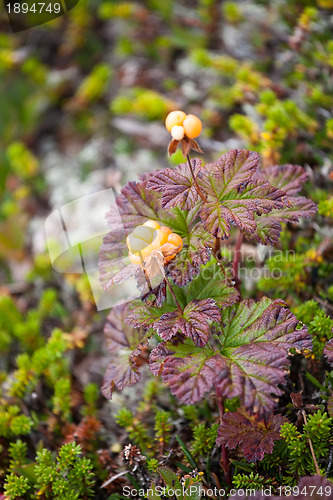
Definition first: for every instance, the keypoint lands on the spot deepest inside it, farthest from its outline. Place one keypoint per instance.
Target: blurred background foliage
(82, 104)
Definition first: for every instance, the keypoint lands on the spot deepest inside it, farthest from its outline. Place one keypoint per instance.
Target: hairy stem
(224, 461)
(202, 196)
(311, 445)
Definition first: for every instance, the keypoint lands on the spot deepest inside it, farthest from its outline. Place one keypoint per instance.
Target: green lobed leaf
(247, 360)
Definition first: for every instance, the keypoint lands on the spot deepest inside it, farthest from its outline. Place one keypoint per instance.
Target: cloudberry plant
(207, 337)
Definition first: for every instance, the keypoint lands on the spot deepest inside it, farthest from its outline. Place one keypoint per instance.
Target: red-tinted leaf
(269, 226)
(188, 370)
(288, 178)
(143, 316)
(306, 485)
(230, 171)
(234, 196)
(176, 185)
(193, 322)
(328, 351)
(256, 337)
(214, 281)
(249, 361)
(297, 400)
(253, 435)
(125, 345)
(155, 297)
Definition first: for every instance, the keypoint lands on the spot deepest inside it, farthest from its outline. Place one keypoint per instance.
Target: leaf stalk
(202, 196)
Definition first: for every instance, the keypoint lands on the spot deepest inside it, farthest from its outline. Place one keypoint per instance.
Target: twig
(202, 196)
(311, 446)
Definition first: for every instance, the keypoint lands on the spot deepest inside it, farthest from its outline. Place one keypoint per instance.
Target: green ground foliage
(82, 104)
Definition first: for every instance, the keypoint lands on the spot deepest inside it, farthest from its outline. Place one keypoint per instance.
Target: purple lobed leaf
(230, 171)
(189, 371)
(269, 226)
(176, 185)
(289, 178)
(193, 322)
(235, 196)
(249, 360)
(254, 436)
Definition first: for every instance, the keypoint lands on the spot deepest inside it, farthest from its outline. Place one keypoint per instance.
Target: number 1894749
(35, 7)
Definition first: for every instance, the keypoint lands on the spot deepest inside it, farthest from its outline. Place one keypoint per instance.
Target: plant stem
(217, 246)
(170, 288)
(311, 445)
(236, 259)
(202, 196)
(224, 461)
(173, 295)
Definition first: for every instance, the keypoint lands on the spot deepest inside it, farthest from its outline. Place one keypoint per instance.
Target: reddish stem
(202, 196)
(236, 259)
(224, 461)
(170, 288)
(173, 295)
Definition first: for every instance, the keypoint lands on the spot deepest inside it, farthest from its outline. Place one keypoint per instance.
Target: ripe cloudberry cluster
(183, 129)
(179, 124)
(151, 236)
